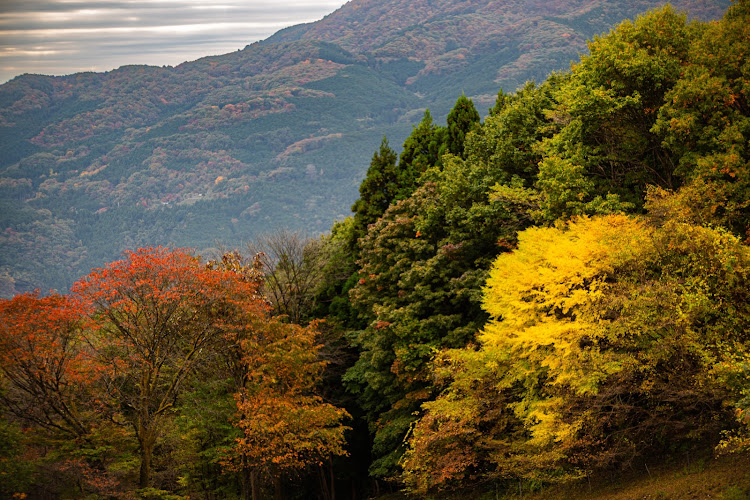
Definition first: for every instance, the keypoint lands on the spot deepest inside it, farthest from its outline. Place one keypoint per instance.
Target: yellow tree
(609, 338)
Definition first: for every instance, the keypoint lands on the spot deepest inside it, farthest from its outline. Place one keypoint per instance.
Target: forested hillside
(276, 135)
(552, 293)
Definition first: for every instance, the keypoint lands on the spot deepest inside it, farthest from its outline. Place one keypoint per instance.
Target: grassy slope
(726, 478)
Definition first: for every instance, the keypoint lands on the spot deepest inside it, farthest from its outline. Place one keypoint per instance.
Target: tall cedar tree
(423, 263)
(379, 188)
(421, 151)
(462, 119)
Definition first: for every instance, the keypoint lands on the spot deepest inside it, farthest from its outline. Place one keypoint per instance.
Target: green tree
(705, 123)
(421, 151)
(462, 119)
(422, 266)
(378, 189)
(605, 151)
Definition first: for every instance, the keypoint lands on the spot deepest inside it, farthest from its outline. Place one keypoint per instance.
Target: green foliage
(421, 268)
(462, 119)
(378, 189)
(605, 152)
(339, 276)
(16, 472)
(204, 432)
(421, 151)
(706, 120)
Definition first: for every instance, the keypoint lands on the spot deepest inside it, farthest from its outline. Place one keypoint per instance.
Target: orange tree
(284, 425)
(48, 387)
(42, 367)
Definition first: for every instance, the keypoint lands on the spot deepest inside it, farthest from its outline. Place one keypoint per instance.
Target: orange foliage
(45, 369)
(156, 312)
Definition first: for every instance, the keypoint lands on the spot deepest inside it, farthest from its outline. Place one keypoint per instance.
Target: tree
(292, 267)
(156, 311)
(339, 276)
(378, 189)
(422, 266)
(605, 150)
(705, 123)
(462, 119)
(285, 425)
(606, 342)
(421, 151)
(274, 368)
(45, 371)
(50, 387)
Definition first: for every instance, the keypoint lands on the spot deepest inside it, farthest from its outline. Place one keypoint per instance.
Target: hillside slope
(276, 135)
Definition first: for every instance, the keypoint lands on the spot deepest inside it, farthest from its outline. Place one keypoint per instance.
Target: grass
(725, 478)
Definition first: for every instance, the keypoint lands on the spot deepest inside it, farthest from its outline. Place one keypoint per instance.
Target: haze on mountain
(279, 134)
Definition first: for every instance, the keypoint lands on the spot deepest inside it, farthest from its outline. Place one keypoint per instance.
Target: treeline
(555, 291)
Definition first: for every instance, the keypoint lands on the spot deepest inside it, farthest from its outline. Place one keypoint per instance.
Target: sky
(59, 37)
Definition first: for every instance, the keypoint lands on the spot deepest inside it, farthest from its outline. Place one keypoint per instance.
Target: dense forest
(556, 290)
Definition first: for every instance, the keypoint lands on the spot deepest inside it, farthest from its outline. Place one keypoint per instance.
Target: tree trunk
(278, 489)
(245, 482)
(333, 479)
(147, 442)
(324, 491)
(255, 484)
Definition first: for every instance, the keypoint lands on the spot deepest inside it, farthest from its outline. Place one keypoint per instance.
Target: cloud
(58, 37)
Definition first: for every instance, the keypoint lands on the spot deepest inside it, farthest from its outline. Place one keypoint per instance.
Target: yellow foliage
(544, 297)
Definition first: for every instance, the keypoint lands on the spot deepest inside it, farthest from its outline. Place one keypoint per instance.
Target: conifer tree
(422, 265)
(378, 189)
(421, 151)
(462, 119)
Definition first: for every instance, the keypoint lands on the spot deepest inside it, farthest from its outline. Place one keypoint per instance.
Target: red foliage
(155, 313)
(41, 359)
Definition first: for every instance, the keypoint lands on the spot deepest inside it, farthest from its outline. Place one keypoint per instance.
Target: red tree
(45, 373)
(156, 312)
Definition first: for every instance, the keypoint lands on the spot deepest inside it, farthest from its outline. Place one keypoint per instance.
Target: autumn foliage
(559, 292)
(122, 349)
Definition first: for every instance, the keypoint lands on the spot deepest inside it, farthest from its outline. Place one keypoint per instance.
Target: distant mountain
(279, 134)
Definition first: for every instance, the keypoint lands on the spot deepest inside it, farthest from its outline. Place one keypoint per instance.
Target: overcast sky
(58, 37)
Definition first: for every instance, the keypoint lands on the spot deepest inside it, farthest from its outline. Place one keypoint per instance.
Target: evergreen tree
(421, 151)
(422, 265)
(462, 119)
(378, 189)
